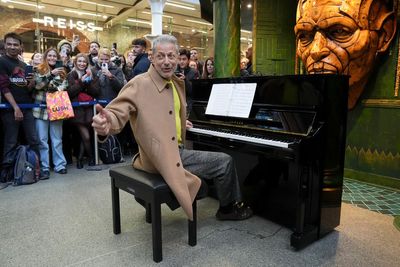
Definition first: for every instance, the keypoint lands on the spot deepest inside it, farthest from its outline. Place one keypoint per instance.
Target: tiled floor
(375, 198)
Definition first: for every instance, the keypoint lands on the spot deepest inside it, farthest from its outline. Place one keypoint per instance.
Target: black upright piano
(289, 152)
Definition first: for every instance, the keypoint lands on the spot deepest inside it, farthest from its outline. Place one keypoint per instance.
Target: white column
(157, 7)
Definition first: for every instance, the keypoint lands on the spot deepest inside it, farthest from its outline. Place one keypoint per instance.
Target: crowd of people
(99, 74)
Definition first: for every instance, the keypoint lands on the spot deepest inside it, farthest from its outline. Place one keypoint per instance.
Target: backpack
(110, 150)
(7, 167)
(26, 167)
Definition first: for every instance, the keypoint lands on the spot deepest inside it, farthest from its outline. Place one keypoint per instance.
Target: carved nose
(318, 48)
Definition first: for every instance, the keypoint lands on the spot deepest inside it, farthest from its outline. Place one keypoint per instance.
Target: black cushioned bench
(153, 191)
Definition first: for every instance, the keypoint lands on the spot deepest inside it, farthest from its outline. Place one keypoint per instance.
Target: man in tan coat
(155, 105)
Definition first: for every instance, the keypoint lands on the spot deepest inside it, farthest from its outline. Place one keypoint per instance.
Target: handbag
(83, 97)
(59, 106)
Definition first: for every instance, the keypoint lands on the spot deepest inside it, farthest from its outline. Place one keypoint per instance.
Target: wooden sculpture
(344, 37)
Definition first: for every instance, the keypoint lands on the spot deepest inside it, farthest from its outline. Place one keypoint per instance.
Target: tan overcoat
(147, 102)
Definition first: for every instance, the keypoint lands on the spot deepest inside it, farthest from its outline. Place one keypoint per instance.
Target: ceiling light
(82, 13)
(139, 21)
(165, 16)
(198, 22)
(23, 3)
(249, 6)
(180, 6)
(93, 3)
(245, 31)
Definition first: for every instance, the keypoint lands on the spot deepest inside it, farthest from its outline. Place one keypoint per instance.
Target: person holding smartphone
(65, 50)
(111, 78)
(49, 77)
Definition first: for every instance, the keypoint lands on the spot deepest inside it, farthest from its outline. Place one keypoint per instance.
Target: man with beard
(93, 53)
(344, 37)
(141, 62)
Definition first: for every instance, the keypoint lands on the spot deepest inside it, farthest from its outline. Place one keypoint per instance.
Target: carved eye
(305, 37)
(340, 33)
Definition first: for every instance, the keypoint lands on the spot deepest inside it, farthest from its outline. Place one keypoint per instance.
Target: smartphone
(104, 66)
(178, 73)
(28, 70)
(63, 52)
(59, 64)
(76, 38)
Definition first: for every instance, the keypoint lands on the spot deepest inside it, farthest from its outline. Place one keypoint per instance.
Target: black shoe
(239, 212)
(44, 175)
(79, 164)
(62, 171)
(92, 162)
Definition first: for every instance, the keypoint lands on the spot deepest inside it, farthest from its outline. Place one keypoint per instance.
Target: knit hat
(63, 42)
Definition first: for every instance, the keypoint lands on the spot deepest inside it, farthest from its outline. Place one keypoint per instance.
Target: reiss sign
(63, 23)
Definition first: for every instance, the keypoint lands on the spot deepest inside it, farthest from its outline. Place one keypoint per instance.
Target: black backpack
(110, 150)
(26, 167)
(22, 167)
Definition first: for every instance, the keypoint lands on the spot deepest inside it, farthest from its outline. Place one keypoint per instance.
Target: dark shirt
(249, 68)
(109, 88)
(12, 79)
(140, 65)
(190, 74)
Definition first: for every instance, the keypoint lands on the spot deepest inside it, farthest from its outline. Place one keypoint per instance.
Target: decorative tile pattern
(380, 199)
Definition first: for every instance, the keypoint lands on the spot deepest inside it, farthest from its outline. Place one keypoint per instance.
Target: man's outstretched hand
(101, 121)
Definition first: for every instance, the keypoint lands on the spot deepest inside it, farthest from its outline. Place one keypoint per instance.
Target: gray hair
(162, 39)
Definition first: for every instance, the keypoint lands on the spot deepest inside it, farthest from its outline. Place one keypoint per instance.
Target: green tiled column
(227, 37)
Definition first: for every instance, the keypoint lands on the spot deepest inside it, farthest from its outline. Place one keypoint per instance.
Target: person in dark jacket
(16, 88)
(186, 73)
(141, 63)
(83, 87)
(111, 78)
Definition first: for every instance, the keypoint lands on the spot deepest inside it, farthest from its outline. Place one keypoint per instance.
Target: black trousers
(11, 129)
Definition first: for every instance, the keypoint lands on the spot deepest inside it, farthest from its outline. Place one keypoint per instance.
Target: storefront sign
(63, 23)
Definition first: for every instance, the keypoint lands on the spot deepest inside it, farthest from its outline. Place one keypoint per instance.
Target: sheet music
(231, 99)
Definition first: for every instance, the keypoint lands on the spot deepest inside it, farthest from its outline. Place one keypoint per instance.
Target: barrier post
(96, 149)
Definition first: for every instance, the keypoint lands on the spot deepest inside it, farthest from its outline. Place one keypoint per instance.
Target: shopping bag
(59, 106)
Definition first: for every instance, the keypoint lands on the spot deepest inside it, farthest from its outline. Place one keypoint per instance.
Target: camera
(104, 65)
(116, 60)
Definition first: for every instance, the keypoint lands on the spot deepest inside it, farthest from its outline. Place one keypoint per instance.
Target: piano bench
(152, 190)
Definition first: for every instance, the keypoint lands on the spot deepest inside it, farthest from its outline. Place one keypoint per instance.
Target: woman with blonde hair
(49, 78)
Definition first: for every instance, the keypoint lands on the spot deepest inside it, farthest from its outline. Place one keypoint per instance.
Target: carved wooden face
(334, 37)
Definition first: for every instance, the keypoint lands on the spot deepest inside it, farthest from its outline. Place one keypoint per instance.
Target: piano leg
(304, 233)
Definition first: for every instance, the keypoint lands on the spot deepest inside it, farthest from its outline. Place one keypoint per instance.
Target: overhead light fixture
(198, 22)
(23, 3)
(249, 6)
(179, 5)
(139, 21)
(165, 16)
(82, 13)
(249, 32)
(93, 3)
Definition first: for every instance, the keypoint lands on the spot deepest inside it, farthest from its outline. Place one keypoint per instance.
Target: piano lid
(285, 104)
(292, 90)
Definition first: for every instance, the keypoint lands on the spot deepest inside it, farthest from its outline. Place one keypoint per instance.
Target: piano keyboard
(240, 137)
